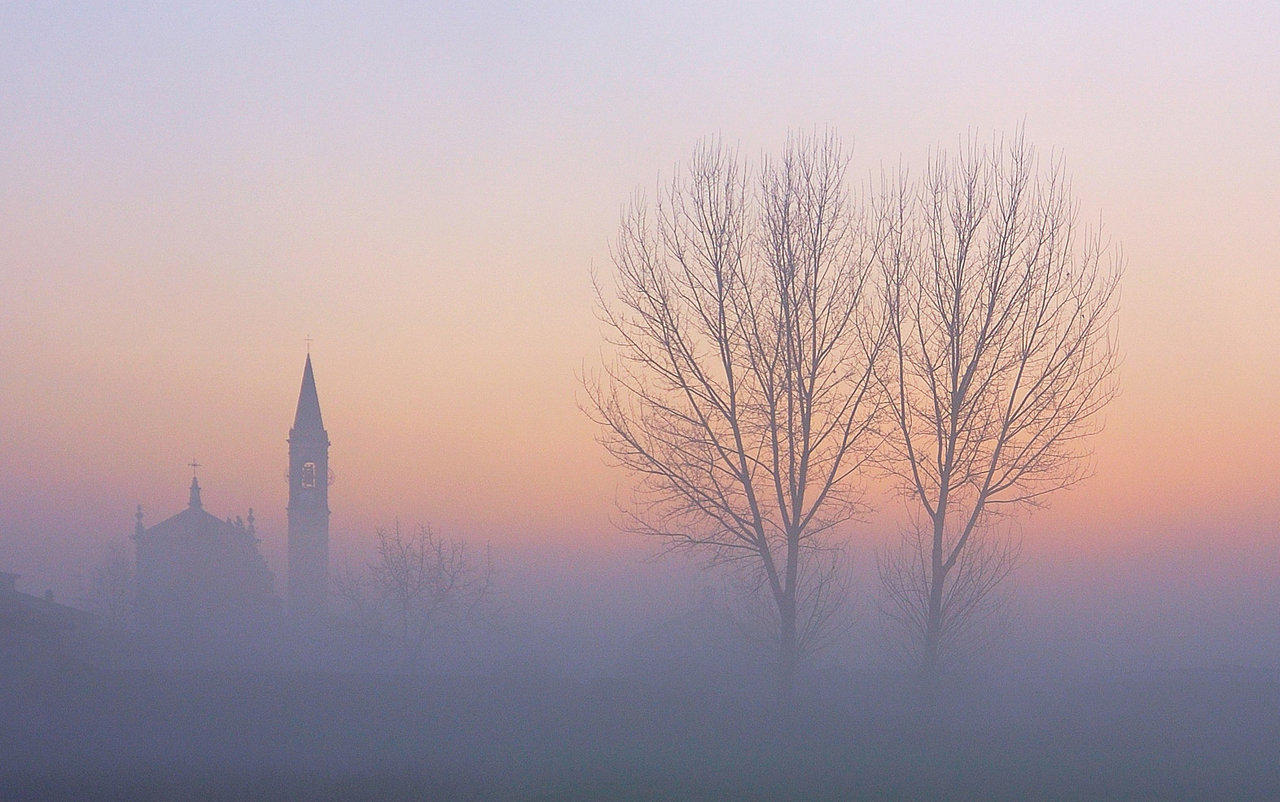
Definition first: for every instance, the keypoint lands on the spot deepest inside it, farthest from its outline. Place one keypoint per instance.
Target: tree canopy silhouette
(745, 324)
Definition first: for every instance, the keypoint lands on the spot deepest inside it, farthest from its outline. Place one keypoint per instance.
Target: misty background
(186, 194)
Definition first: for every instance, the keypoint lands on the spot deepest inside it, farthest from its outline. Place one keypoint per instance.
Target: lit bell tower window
(308, 474)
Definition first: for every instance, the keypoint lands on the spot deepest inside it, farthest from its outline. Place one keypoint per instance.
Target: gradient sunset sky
(186, 194)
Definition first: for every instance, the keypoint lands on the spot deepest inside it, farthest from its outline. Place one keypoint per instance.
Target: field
(200, 734)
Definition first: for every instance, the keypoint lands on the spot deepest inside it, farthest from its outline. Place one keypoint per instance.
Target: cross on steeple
(308, 345)
(195, 485)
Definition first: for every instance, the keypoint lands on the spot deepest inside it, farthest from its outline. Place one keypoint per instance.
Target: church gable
(196, 568)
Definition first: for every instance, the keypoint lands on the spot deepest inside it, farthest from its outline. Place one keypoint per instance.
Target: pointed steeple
(308, 505)
(307, 418)
(195, 494)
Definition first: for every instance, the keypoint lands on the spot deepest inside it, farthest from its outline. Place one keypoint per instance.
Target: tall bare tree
(744, 329)
(1001, 312)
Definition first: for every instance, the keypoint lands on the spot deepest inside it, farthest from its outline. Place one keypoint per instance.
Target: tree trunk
(933, 635)
(933, 626)
(788, 650)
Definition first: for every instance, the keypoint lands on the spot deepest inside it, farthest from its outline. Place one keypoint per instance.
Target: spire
(195, 494)
(138, 528)
(307, 418)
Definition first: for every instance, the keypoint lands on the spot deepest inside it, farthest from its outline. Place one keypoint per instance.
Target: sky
(188, 193)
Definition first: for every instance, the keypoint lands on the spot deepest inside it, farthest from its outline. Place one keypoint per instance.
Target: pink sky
(184, 198)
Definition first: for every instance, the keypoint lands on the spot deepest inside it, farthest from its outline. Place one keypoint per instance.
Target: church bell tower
(308, 505)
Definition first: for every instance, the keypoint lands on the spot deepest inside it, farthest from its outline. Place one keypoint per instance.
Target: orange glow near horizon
(167, 242)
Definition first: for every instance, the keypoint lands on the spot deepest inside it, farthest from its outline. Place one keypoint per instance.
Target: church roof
(193, 521)
(307, 418)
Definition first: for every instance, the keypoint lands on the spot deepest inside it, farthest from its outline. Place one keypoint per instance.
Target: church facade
(196, 571)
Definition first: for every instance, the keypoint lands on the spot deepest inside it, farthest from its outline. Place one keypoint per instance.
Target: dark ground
(68, 732)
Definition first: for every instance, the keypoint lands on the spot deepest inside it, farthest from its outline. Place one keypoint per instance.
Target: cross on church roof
(193, 465)
(308, 345)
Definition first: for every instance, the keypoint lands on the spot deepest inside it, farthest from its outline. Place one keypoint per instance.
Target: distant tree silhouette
(744, 330)
(417, 583)
(1001, 317)
(111, 590)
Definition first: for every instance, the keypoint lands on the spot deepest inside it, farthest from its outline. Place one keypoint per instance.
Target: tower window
(308, 474)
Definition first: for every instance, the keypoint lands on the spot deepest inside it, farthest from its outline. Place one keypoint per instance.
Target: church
(197, 571)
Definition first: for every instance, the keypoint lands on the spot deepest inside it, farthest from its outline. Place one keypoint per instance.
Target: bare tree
(972, 597)
(745, 328)
(111, 590)
(417, 583)
(824, 588)
(1002, 313)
